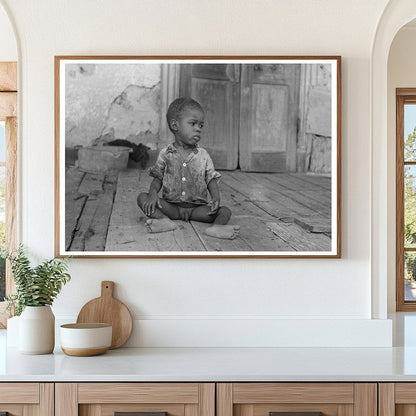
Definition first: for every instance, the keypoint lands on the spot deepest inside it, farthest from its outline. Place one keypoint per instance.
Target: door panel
(216, 88)
(268, 117)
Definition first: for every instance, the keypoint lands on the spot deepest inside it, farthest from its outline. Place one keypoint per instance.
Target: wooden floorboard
(321, 181)
(299, 192)
(90, 232)
(276, 202)
(275, 212)
(128, 232)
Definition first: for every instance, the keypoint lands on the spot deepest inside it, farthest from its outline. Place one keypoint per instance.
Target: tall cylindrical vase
(37, 330)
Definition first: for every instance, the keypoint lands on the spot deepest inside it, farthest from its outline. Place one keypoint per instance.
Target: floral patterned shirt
(184, 180)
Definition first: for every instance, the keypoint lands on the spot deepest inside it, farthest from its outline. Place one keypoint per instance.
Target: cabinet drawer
(146, 399)
(296, 399)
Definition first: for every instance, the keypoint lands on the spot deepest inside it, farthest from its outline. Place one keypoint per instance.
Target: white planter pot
(37, 330)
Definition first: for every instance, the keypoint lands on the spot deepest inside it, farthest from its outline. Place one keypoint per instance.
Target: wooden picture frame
(272, 127)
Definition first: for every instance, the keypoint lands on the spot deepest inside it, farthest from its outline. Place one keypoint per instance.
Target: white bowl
(85, 339)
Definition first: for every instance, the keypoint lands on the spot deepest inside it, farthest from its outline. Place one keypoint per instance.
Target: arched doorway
(395, 16)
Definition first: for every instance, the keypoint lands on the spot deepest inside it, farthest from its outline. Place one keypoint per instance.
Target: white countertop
(215, 364)
(221, 364)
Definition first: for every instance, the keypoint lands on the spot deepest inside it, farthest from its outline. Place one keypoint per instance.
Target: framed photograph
(198, 156)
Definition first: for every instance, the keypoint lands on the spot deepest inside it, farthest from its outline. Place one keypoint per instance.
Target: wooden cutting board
(109, 310)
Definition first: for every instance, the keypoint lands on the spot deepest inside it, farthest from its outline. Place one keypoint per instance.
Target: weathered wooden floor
(276, 212)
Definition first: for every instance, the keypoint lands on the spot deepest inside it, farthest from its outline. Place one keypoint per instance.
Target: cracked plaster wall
(119, 98)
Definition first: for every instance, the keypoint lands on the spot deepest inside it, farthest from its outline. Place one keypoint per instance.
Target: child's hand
(152, 202)
(215, 205)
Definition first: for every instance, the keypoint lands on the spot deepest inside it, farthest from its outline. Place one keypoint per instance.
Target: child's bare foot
(160, 225)
(228, 232)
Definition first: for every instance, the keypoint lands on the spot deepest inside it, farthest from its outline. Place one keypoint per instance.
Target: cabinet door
(26, 399)
(297, 399)
(142, 399)
(397, 399)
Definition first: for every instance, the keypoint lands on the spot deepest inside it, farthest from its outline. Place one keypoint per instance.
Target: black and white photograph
(197, 156)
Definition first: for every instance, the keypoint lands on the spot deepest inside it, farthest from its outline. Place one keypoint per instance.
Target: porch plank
(299, 239)
(276, 212)
(91, 229)
(266, 198)
(127, 231)
(74, 203)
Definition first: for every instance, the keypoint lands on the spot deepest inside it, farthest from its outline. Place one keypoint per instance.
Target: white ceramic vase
(37, 330)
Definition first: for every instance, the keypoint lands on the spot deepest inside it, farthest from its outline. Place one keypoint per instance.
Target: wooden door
(216, 88)
(269, 117)
(251, 113)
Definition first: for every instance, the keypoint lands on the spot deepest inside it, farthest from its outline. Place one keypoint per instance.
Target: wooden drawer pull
(295, 414)
(140, 414)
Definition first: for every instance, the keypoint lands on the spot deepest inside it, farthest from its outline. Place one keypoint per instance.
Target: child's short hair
(178, 106)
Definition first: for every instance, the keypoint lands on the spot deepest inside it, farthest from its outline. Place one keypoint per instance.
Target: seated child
(186, 173)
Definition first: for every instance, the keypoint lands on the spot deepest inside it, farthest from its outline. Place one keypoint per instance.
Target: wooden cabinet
(297, 399)
(27, 399)
(108, 399)
(208, 399)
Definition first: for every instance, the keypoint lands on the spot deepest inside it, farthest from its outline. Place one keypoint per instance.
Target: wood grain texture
(27, 393)
(138, 393)
(8, 76)
(405, 410)
(252, 393)
(91, 410)
(11, 208)
(8, 105)
(58, 250)
(191, 410)
(66, 399)
(15, 409)
(400, 304)
(386, 399)
(109, 310)
(110, 409)
(84, 352)
(405, 393)
(11, 195)
(47, 399)
(245, 410)
(224, 399)
(207, 399)
(265, 409)
(346, 410)
(365, 399)
(404, 96)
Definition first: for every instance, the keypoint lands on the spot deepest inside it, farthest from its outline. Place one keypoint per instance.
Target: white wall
(211, 301)
(401, 74)
(8, 46)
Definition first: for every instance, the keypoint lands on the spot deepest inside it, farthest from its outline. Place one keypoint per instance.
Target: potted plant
(36, 289)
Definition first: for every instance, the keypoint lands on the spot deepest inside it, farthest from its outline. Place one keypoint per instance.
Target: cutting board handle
(107, 289)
